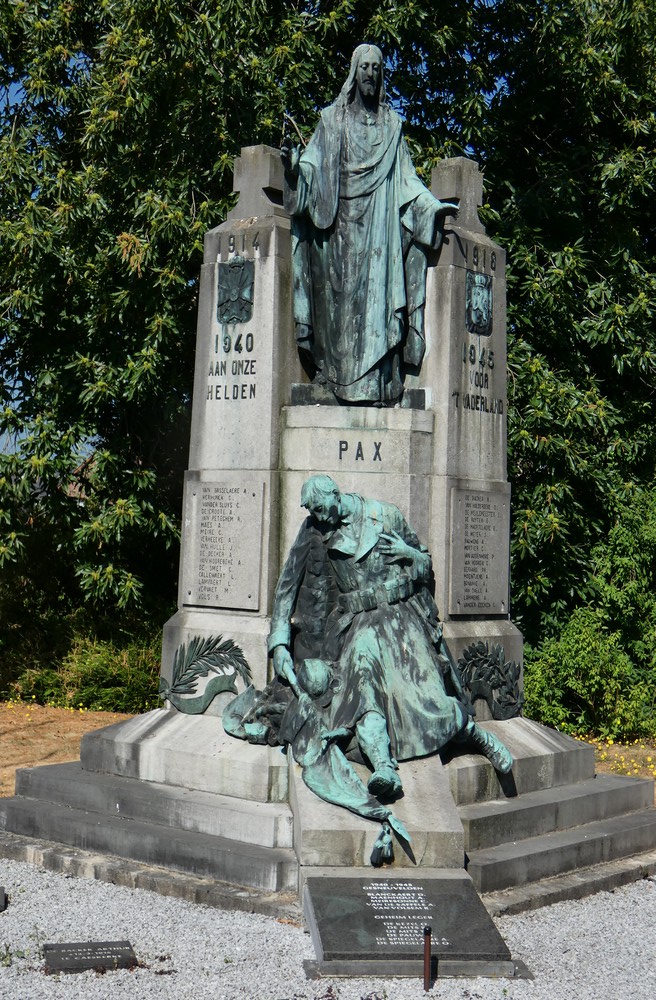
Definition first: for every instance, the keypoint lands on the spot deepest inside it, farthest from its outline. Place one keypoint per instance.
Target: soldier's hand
(283, 664)
(393, 546)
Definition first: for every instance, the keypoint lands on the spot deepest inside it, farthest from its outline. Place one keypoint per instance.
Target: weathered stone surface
(189, 751)
(258, 179)
(327, 836)
(478, 573)
(247, 630)
(245, 366)
(537, 858)
(383, 453)
(222, 559)
(533, 814)
(543, 758)
(198, 854)
(268, 824)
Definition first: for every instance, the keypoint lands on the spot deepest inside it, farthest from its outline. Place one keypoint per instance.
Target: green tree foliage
(102, 676)
(118, 127)
(572, 166)
(599, 674)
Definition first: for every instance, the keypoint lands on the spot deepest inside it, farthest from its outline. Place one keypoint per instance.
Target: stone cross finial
(460, 178)
(258, 179)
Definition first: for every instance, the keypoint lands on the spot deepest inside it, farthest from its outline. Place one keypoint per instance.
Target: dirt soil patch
(33, 734)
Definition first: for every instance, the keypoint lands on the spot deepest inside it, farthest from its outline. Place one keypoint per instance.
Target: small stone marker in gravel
(78, 956)
(3, 898)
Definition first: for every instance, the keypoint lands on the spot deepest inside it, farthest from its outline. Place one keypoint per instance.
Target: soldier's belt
(390, 592)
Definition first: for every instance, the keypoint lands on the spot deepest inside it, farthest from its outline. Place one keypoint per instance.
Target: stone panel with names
(222, 563)
(360, 919)
(401, 910)
(479, 552)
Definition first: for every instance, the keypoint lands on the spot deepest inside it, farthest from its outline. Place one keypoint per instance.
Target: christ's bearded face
(368, 74)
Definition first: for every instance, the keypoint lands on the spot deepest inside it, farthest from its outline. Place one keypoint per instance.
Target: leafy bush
(99, 675)
(599, 675)
(584, 682)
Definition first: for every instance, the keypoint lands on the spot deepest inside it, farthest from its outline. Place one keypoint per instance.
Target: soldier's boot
(489, 745)
(373, 740)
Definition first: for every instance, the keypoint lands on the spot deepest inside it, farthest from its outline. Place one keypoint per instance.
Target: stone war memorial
(342, 721)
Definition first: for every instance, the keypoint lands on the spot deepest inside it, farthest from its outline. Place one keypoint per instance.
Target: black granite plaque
(79, 956)
(3, 898)
(379, 922)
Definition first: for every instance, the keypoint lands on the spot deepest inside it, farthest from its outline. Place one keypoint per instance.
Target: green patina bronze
(235, 291)
(362, 222)
(219, 659)
(361, 669)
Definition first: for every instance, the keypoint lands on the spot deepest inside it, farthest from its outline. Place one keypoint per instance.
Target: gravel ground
(601, 948)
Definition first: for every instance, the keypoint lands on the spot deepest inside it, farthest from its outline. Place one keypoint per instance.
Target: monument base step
(327, 836)
(548, 810)
(573, 885)
(190, 751)
(549, 816)
(199, 854)
(543, 758)
(267, 824)
(536, 858)
(119, 871)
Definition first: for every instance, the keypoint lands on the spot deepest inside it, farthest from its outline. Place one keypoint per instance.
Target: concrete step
(269, 824)
(191, 751)
(543, 758)
(572, 885)
(199, 854)
(514, 864)
(499, 821)
(119, 871)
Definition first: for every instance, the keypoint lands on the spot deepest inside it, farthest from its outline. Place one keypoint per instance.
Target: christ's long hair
(347, 91)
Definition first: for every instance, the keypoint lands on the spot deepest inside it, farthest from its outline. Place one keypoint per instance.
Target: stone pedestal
(245, 365)
(465, 374)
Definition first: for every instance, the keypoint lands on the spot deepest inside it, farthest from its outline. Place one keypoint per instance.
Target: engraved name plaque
(479, 552)
(222, 550)
(377, 925)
